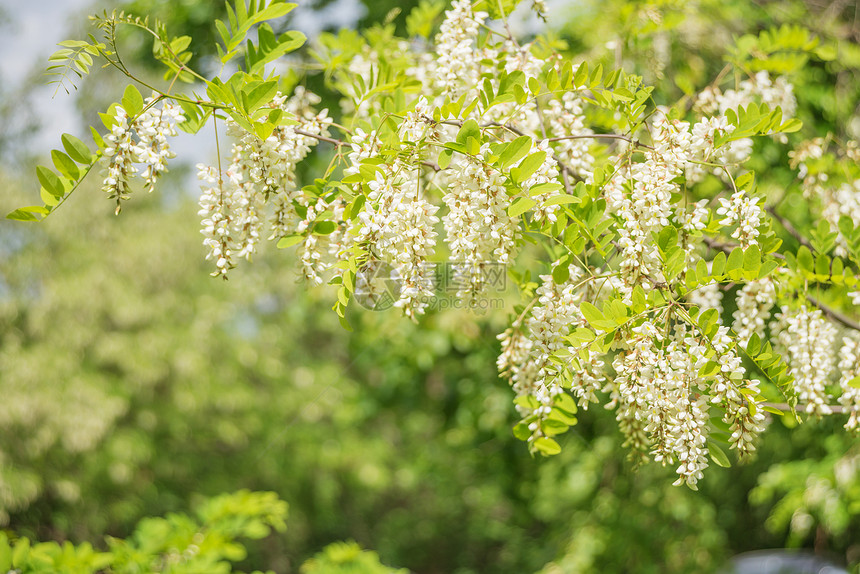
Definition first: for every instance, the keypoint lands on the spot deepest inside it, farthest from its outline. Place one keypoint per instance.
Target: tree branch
(835, 409)
(339, 143)
(786, 224)
(832, 314)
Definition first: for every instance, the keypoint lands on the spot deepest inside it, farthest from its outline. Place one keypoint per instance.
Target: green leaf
(854, 383)
(547, 187)
(581, 75)
(560, 199)
(515, 151)
(50, 181)
(522, 432)
(261, 95)
(707, 319)
(5, 553)
(65, 165)
(563, 415)
(132, 101)
(28, 213)
(675, 263)
(546, 446)
(718, 455)
(709, 369)
(591, 313)
(289, 241)
(701, 271)
(20, 553)
(77, 149)
(752, 260)
(445, 158)
(822, 265)
(520, 206)
(804, 259)
(50, 200)
(745, 181)
(655, 298)
(735, 263)
(528, 166)
(324, 227)
(638, 299)
(555, 425)
(766, 268)
(470, 129)
(754, 344)
(420, 20)
(473, 146)
(561, 273)
(791, 126)
(718, 265)
(668, 237)
(581, 335)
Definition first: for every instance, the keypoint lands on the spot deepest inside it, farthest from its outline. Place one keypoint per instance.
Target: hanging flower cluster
(232, 205)
(808, 339)
(849, 367)
(141, 139)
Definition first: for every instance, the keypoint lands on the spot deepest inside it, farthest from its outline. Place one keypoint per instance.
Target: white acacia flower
(808, 339)
(743, 211)
(564, 117)
(141, 140)
(398, 223)
(754, 302)
(849, 367)
(478, 227)
(458, 62)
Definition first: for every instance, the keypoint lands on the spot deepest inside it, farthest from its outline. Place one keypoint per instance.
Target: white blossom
(808, 339)
(849, 367)
(478, 227)
(743, 211)
(754, 302)
(458, 62)
(142, 139)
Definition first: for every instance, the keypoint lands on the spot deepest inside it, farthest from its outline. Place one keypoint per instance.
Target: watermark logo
(378, 284)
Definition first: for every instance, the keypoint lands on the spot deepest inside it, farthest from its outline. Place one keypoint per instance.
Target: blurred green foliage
(176, 544)
(346, 558)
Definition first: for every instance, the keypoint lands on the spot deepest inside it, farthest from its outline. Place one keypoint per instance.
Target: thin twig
(332, 141)
(833, 314)
(511, 128)
(786, 224)
(835, 409)
(336, 142)
(629, 140)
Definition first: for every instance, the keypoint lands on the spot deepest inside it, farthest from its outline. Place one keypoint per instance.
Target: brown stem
(336, 142)
(833, 314)
(630, 140)
(783, 407)
(786, 224)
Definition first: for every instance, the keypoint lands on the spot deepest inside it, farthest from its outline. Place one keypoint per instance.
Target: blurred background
(132, 383)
